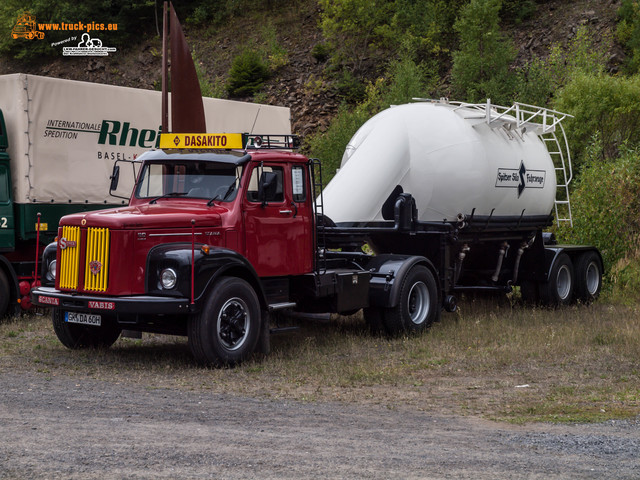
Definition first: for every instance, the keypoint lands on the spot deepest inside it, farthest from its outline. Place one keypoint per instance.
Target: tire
(588, 277)
(418, 307)
(227, 329)
(559, 289)
(75, 336)
(5, 294)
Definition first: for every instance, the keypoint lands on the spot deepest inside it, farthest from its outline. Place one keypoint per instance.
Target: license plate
(83, 318)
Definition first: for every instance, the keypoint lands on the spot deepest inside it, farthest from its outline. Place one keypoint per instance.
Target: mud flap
(264, 340)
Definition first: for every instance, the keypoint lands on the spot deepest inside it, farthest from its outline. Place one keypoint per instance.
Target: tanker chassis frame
(191, 282)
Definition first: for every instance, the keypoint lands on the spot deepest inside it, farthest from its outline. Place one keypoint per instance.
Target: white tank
(453, 158)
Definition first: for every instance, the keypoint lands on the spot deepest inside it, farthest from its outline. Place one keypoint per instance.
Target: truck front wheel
(227, 329)
(418, 307)
(75, 336)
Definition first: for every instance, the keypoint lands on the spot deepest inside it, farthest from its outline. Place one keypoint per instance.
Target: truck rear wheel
(227, 329)
(559, 289)
(75, 336)
(418, 307)
(588, 277)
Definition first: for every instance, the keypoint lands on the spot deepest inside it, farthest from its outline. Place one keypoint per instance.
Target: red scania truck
(215, 242)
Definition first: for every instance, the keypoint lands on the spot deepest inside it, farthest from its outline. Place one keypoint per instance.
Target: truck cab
(196, 219)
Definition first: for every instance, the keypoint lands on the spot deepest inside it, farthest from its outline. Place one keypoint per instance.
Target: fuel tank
(456, 160)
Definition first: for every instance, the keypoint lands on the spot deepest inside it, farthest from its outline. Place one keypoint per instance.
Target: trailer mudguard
(209, 267)
(552, 252)
(387, 272)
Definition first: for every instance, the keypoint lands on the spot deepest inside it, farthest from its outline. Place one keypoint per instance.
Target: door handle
(286, 212)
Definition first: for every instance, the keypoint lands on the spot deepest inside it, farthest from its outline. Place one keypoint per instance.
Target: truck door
(278, 230)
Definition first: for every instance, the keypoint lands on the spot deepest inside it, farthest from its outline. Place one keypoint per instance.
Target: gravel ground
(55, 427)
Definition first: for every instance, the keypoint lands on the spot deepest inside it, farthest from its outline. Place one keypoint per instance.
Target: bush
(605, 204)
(535, 83)
(354, 28)
(602, 105)
(248, 73)
(427, 26)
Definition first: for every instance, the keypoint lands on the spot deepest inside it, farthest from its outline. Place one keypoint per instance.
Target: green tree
(248, 72)
(481, 67)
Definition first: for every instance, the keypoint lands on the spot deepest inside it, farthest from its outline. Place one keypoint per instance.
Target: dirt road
(56, 427)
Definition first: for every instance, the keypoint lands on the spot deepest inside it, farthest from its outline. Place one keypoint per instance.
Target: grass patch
(493, 359)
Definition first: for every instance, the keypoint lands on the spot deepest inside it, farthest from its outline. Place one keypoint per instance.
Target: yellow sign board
(43, 227)
(201, 140)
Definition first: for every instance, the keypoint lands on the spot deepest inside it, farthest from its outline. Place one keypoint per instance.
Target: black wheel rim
(233, 323)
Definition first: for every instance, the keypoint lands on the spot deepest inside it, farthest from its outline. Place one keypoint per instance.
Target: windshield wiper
(229, 191)
(171, 194)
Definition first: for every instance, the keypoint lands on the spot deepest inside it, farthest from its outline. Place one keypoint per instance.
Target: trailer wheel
(5, 293)
(559, 289)
(588, 277)
(227, 329)
(418, 307)
(75, 336)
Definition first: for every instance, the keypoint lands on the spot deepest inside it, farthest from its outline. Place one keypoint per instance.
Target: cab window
(277, 196)
(298, 185)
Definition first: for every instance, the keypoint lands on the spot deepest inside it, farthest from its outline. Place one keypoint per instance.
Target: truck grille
(97, 261)
(96, 264)
(69, 257)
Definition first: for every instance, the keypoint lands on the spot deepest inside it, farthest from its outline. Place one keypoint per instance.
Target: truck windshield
(212, 181)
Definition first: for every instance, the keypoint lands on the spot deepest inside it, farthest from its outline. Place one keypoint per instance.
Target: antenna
(255, 120)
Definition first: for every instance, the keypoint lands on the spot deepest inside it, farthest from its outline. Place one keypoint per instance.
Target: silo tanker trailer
(215, 243)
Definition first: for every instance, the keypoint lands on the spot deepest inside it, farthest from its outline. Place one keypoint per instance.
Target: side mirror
(267, 187)
(115, 177)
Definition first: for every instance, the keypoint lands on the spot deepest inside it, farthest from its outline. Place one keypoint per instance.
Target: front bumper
(130, 305)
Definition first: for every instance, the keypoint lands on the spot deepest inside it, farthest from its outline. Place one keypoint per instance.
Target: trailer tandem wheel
(226, 331)
(559, 289)
(75, 336)
(588, 276)
(418, 307)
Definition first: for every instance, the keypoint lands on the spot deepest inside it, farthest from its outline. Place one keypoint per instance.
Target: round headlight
(51, 272)
(168, 278)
